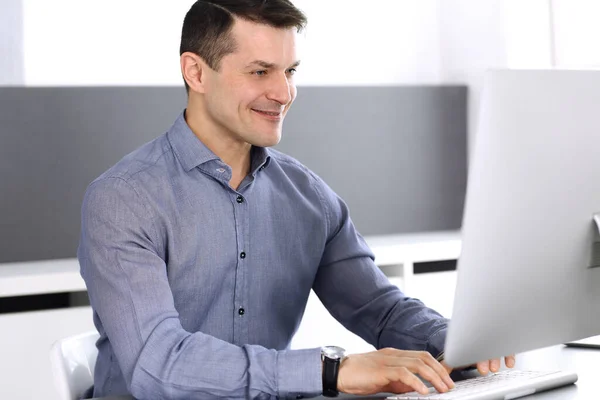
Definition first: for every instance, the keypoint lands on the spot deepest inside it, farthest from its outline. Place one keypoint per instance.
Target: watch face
(334, 352)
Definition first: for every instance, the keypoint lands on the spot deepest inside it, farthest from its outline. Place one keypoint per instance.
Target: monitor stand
(593, 342)
(595, 261)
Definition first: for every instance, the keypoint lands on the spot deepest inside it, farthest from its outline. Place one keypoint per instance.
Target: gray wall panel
(396, 155)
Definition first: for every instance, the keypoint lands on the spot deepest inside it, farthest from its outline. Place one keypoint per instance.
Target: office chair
(73, 360)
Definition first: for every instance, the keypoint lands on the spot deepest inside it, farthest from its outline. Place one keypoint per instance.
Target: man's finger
(438, 368)
(495, 365)
(483, 367)
(446, 367)
(427, 373)
(431, 362)
(510, 361)
(402, 374)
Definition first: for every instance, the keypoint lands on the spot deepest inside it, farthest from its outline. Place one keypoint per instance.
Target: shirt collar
(260, 159)
(191, 152)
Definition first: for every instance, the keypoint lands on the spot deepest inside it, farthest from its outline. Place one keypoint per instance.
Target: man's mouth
(271, 114)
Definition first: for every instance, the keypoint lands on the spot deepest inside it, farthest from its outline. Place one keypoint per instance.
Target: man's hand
(484, 367)
(393, 371)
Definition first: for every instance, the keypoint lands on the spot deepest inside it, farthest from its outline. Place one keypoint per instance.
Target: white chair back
(73, 360)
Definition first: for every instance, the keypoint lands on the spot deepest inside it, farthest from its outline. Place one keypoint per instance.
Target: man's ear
(193, 69)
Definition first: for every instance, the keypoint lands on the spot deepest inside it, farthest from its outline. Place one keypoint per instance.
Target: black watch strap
(331, 368)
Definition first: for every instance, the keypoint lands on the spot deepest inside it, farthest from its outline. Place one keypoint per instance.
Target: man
(200, 248)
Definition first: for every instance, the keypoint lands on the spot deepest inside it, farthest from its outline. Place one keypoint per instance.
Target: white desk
(40, 277)
(404, 250)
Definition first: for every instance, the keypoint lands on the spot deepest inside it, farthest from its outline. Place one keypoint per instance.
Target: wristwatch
(331, 357)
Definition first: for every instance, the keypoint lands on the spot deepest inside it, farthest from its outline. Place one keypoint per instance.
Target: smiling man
(200, 248)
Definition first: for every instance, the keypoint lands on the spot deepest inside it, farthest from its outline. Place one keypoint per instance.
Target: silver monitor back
(528, 275)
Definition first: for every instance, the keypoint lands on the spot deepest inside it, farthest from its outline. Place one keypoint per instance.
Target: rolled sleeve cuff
(437, 342)
(299, 373)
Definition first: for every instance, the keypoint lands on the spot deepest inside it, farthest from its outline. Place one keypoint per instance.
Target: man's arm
(126, 276)
(361, 297)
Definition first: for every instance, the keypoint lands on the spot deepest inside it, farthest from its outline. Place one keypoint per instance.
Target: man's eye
(260, 73)
(292, 71)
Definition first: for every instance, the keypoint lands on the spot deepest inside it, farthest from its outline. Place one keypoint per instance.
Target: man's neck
(234, 153)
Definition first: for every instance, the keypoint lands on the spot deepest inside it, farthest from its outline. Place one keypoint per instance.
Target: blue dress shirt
(197, 288)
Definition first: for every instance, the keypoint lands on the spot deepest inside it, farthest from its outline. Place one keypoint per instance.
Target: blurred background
(399, 78)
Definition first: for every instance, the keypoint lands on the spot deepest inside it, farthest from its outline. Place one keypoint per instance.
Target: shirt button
(242, 255)
(220, 170)
(241, 311)
(240, 199)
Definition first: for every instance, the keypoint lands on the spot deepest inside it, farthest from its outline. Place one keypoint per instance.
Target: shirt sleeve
(126, 276)
(361, 297)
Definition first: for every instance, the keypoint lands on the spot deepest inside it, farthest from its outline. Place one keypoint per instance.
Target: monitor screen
(528, 274)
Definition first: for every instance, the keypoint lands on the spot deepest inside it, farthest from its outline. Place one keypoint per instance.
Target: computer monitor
(529, 270)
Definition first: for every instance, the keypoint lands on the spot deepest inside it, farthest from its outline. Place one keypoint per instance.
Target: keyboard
(510, 384)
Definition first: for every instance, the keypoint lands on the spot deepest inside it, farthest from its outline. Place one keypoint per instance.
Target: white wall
(136, 42)
(11, 43)
(386, 42)
(479, 35)
(110, 42)
(576, 33)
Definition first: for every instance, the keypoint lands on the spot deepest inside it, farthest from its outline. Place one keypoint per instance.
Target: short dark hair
(207, 25)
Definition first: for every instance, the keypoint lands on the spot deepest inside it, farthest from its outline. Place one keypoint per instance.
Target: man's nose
(280, 90)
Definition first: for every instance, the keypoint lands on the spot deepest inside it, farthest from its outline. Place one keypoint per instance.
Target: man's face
(251, 93)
